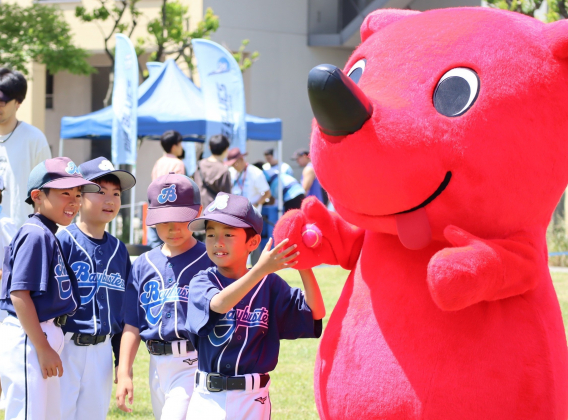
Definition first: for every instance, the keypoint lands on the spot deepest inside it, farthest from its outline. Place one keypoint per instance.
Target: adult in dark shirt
(212, 176)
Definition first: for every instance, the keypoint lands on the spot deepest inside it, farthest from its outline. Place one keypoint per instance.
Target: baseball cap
(300, 152)
(101, 166)
(172, 198)
(59, 173)
(233, 155)
(4, 97)
(231, 210)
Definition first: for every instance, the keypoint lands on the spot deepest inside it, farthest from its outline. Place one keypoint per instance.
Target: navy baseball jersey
(33, 261)
(157, 292)
(247, 338)
(101, 268)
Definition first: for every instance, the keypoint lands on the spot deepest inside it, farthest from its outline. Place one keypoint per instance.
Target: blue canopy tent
(167, 100)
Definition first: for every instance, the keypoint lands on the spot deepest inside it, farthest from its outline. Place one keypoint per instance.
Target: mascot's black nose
(339, 106)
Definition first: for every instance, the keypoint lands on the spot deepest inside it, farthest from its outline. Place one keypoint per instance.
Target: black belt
(60, 321)
(87, 339)
(215, 382)
(161, 348)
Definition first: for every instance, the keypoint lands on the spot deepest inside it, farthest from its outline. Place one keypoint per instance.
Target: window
(48, 90)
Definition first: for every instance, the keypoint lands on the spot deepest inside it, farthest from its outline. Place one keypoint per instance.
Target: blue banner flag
(125, 103)
(223, 92)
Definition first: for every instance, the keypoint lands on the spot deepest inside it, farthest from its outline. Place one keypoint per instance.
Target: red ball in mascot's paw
(451, 131)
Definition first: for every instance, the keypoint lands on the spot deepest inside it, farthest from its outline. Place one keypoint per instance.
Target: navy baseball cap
(231, 210)
(59, 173)
(173, 198)
(101, 166)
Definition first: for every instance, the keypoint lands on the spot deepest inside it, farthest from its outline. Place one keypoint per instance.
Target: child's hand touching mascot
(444, 148)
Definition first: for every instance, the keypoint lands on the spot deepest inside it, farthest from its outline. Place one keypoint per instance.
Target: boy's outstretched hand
(272, 260)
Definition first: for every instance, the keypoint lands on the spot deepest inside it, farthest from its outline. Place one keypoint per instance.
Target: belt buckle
(78, 342)
(60, 321)
(208, 382)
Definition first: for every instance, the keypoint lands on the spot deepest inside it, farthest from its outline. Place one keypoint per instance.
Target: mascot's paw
(293, 226)
(462, 275)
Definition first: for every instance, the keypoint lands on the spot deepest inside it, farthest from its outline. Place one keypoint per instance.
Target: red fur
(468, 327)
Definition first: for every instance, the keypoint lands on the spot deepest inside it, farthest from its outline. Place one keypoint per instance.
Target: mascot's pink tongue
(414, 229)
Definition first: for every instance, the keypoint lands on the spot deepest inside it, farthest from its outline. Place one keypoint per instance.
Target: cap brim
(127, 180)
(171, 215)
(227, 219)
(72, 182)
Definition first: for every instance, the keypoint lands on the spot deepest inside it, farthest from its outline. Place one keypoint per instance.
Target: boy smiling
(39, 290)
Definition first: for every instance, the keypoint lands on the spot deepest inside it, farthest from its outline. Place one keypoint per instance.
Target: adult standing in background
(170, 161)
(310, 182)
(22, 146)
(248, 180)
(212, 175)
(272, 162)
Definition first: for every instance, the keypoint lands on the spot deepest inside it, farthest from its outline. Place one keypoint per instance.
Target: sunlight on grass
(292, 382)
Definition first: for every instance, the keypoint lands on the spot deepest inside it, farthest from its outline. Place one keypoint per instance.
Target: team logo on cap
(72, 169)
(168, 194)
(221, 202)
(106, 165)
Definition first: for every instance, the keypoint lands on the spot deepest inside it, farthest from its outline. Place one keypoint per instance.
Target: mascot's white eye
(357, 70)
(456, 92)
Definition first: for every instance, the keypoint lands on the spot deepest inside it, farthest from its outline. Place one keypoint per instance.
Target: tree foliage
(39, 33)
(172, 36)
(556, 9)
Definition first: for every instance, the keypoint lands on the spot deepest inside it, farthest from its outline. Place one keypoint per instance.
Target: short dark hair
(13, 84)
(169, 139)
(258, 164)
(269, 151)
(218, 144)
(110, 178)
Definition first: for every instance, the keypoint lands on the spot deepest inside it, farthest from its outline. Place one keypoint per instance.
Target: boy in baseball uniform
(39, 291)
(156, 299)
(101, 264)
(238, 316)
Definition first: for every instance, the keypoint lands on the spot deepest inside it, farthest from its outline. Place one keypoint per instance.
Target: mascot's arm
(341, 243)
(477, 270)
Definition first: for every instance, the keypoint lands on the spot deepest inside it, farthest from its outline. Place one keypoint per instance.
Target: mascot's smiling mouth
(436, 193)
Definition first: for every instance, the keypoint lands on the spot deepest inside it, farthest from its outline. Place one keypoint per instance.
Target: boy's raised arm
(270, 260)
(128, 349)
(312, 292)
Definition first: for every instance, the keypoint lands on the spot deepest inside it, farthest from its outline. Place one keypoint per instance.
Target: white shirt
(250, 183)
(286, 169)
(26, 147)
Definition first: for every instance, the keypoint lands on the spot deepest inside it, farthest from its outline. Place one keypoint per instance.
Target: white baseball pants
(250, 404)
(28, 395)
(172, 378)
(86, 385)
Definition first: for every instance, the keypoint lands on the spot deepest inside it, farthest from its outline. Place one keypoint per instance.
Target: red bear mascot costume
(444, 149)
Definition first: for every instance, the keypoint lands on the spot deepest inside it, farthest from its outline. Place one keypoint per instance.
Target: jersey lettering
(227, 325)
(72, 169)
(168, 194)
(153, 298)
(62, 278)
(91, 282)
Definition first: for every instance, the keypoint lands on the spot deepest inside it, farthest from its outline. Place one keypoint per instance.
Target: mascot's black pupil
(356, 74)
(451, 96)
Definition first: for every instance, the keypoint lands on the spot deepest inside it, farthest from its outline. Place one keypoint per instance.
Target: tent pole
(132, 209)
(61, 147)
(280, 190)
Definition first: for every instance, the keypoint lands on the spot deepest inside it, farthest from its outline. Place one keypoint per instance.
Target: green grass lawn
(291, 390)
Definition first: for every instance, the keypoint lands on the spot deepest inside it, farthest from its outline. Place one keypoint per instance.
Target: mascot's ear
(556, 35)
(378, 19)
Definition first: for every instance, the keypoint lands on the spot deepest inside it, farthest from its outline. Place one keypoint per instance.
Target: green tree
(172, 36)
(556, 10)
(124, 16)
(39, 33)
